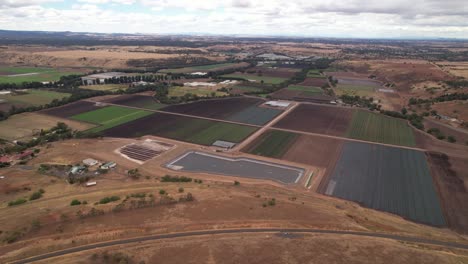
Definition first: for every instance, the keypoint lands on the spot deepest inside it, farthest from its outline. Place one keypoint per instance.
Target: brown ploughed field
(326, 120)
(70, 109)
(318, 82)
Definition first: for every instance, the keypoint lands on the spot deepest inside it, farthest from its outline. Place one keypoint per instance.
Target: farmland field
(353, 89)
(71, 109)
(256, 78)
(241, 89)
(33, 97)
(193, 130)
(205, 68)
(19, 75)
(217, 108)
(318, 119)
(379, 128)
(388, 179)
(315, 74)
(141, 101)
(23, 126)
(199, 91)
(306, 90)
(317, 82)
(255, 115)
(110, 116)
(272, 143)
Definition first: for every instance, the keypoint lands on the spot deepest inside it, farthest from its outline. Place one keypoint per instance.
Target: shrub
(181, 190)
(169, 178)
(35, 196)
(272, 202)
(106, 200)
(451, 139)
(162, 192)
(17, 202)
(138, 195)
(236, 183)
(75, 202)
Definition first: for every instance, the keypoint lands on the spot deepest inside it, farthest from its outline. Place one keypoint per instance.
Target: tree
(451, 139)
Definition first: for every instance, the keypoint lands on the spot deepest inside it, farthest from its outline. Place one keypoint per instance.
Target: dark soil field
(272, 143)
(387, 179)
(451, 179)
(70, 109)
(278, 72)
(193, 130)
(318, 82)
(318, 119)
(142, 101)
(218, 108)
(296, 95)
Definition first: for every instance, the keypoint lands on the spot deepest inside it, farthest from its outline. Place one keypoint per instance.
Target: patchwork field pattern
(206, 68)
(193, 130)
(388, 179)
(33, 97)
(140, 101)
(379, 128)
(109, 116)
(19, 75)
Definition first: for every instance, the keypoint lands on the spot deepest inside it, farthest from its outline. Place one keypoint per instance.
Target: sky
(305, 18)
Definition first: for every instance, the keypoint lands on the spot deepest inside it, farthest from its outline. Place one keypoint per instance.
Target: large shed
(224, 144)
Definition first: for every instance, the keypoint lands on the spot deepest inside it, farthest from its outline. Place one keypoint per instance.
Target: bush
(169, 178)
(106, 200)
(272, 202)
(75, 202)
(138, 195)
(181, 190)
(35, 196)
(236, 183)
(162, 192)
(17, 202)
(451, 139)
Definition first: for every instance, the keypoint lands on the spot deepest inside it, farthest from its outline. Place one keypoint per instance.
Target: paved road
(237, 231)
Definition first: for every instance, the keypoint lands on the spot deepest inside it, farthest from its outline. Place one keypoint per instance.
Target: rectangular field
(72, 109)
(110, 116)
(255, 115)
(272, 143)
(33, 97)
(141, 101)
(388, 179)
(105, 87)
(19, 75)
(205, 68)
(193, 130)
(379, 128)
(241, 167)
(318, 119)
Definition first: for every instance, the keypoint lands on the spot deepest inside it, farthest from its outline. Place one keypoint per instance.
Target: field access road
(237, 231)
(257, 133)
(347, 139)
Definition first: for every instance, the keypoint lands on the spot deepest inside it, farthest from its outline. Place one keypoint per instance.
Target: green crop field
(265, 79)
(246, 88)
(379, 128)
(29, 74)
(221, 131)
(33, 97)
(255, 115)
(109, 117)
(273, 143)
(105, 87)
(199, 91)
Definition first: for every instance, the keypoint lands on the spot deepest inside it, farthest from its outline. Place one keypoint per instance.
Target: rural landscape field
(229, 132)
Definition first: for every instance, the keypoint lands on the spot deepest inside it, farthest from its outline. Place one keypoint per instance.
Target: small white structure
(224, 144)
(90, 162)
(199, 73)
(89, 184)
(194, 84)
(108, 165)
(277, 104)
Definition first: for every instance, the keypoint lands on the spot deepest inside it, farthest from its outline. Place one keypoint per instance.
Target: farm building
(277, 104)
(90, 162)
(224, 144)
(77, 170)
(89, 184)
(272, 56)
(108, 165)
(99, 78)
(199, 73)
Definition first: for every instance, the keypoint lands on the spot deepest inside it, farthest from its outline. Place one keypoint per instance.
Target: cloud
(22, 3)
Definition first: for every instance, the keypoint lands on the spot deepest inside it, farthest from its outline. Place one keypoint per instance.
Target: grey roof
(224, 144)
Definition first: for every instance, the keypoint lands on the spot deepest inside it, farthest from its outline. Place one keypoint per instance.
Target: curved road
(236, 231)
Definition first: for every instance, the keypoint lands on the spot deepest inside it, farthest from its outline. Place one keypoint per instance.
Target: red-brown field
(327, 120)
(451, 180)
(218, 108)
(318, 82)
(71, 109)
(275, 72)
(285, 94)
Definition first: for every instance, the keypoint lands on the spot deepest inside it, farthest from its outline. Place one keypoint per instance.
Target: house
(90, 162)
(108, 165)
(223, 144)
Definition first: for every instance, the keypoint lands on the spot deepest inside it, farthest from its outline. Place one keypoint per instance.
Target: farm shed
(100, 77)
(224, 144)
(89, 184)
(77, 169)
(90, 162)
(277, 104)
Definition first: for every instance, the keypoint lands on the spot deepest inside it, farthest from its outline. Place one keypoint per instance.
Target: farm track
(238, 231)
(346, 139)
